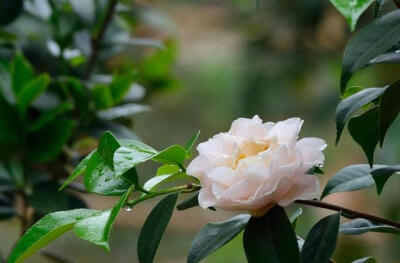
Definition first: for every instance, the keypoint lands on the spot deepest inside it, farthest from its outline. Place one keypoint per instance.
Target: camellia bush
(254, 168)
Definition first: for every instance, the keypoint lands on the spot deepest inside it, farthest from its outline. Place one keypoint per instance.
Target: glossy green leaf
(382, 174)
(271, 238)
(365, 260)
(389, 108)
(108, 144)
(31, 91)
(21, 73)
(350, 178)
(371, 41)
(52, 138)
(352, 10)
(168, 169)
(46, 230)
(10, 10)
(135, 144)
(173, 154)
(360, 226)
(153, 183)
(321, 240)
(364, 129)
(350, 105)
(293, 218)
(101, 179)
(214, 236)
(189, 145)
(127, 158)
(154, 228)
(78, 170)
(97, 228)
(48, 116)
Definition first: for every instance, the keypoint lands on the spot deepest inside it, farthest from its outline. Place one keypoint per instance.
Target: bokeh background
(277, 59)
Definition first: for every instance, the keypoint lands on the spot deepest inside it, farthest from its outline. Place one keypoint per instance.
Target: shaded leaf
(321, 240)
(154, 228)
(378, 7)
(271, 238)
(48, 116)
(371, 41)
(389, 108)
(215, 235)
(391, 57)
(126, 110)
(189, 145)
(382, 174)
(364, 129)
(360, 226)
(9, 10)
(108, 144)
(21, 72)
(350, 178)
(102, 96)
(31, 91)
(47, 199)
(120, 85)
(46, 230)
(352, 10)
(97, 228)
(192, 201)
(85, 10)
(348, 106)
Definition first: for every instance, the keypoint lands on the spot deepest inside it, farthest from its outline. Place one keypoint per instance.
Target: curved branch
(348, 213)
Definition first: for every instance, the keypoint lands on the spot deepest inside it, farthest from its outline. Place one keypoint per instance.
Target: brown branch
(348, 213)
(96, 40)
(24, 213)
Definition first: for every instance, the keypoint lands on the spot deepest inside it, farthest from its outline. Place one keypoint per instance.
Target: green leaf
(153, 183)
(348, 106)
(214, 236)
(46, 230)
(126, 110)
(352, 10)
(293, 218)
(192, 201)
(189, 145)
(49, 116)
(271, 238)
(382, 174)
(120, 85)
(101, 179)
(378, 7)
(127, 158)
(365, 260)
(321, 240)
(31, 91)
(389, 58)
(9, 123)
(365, 131)
(108, 144)
(154, 228)
(97, 228)
(78, 170)
(52, 138)
(173, 154)
(372, 40)
(85, 10)
(21, 73)
(350, 178)
(360, 226)
(9, 10)
(46, 199)
(102, 96)
(168, 169)
(389, 108)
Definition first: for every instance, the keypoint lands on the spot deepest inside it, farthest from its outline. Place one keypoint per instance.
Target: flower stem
(348, 213)
(188, 188)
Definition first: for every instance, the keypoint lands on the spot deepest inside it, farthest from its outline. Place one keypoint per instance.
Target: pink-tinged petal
(304, 187)
(222, 175)
(312, 142)
(216, 147)
(206, 198)
(243, 189)
(248, 128)
(198, 166)
(286, 131)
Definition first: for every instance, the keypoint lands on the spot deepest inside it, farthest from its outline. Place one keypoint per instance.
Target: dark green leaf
(21, 73)
(49, 116)
(9, 124)
(46, 230)
(78, 170)
(271, 238)
(389, 108)
(348, 106)
(192, 201)
(47, 199)
(97, 227)
(350, 178)
(215, 235)
(101, 179)
(154, 228)
(360, 226)
(365, 260)
(391, 57)
(352, 10)
(295, 216)
(315, 170)
(108, 144)
(371, 41)
(382, 174)
(378, 6)
(365, 131)
(52, 138)
(31, 91)
(9, 10)
(189, 145)
(321, 240)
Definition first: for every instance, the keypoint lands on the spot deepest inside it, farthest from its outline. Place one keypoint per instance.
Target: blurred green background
(233, 60)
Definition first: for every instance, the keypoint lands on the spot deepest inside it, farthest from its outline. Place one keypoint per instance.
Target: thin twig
(23, 215)
(348, 213)
(96, 40)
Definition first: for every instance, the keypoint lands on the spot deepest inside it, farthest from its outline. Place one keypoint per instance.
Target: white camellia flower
(257, 165)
